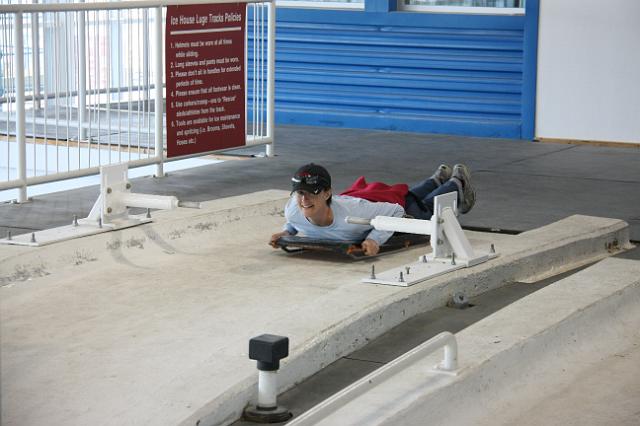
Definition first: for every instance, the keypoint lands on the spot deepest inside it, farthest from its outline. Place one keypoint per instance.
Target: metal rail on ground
(448, 365)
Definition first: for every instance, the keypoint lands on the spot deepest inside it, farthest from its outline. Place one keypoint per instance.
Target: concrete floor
(521, 185)
(421, 328)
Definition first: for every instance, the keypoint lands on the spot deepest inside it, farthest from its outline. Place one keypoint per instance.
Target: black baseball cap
(312, 178)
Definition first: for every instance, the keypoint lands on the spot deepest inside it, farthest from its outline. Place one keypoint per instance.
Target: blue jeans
(419, 200)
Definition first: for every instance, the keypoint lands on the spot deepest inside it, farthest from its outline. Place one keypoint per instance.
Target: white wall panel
(588, 85)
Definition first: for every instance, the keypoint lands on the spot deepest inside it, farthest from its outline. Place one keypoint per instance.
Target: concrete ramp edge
(560, 246)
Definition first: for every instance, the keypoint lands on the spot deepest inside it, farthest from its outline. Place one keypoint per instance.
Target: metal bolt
(148, 213)
(108, 190)
(453, 258)
(9, 235)
(99, 222)
(440, 242)
(75, 220)
(373, 272)
(440, 220)
(424, 258)
(492, 249)
(128, 185)
(109, 209)
(407, 269)
(33, 237)
(401, 278)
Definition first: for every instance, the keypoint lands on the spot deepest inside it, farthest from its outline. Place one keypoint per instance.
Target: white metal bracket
(451, 248)
(109, 212)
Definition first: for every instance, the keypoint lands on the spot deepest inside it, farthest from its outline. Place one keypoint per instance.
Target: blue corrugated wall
(418, 72)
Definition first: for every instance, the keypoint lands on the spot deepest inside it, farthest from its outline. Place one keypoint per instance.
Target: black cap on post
(268, 350)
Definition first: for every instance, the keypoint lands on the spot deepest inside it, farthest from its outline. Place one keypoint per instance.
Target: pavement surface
(521, 185)
(149, 325)
(558, 356)
(142, 321)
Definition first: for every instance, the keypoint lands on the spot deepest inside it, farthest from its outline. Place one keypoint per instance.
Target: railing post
(450, 362)
(338, 400)
(158, 100)
(20, 113)
(271, 59)
(82, 76)
(145, 55)
(35, 42)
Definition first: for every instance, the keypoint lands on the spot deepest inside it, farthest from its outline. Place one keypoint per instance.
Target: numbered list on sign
(205, 77)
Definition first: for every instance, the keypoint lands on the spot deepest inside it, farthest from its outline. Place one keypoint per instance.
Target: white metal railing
(82, 85)
(328, 406)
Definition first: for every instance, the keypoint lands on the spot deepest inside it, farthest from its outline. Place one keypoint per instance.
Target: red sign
(205, 78)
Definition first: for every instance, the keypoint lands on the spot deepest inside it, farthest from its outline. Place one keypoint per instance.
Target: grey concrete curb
(554, 248)
(501, 355)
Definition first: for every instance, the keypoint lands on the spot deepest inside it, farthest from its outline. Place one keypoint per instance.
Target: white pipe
(149, 201)
(158, 100)
(271, 72)
(35, 33)
(394, 224)
(145, 54)
(82, 77)
(267, 389)
(20, 113)
(358, 388)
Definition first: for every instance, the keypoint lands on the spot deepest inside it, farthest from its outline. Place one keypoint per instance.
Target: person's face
(313, 205)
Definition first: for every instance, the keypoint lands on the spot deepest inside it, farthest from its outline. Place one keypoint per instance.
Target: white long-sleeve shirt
(342, 206)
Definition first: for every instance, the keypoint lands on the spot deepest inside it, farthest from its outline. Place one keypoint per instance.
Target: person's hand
(275, 238)
(370, 247)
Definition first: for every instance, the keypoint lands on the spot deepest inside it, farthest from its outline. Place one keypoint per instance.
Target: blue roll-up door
(435, 73)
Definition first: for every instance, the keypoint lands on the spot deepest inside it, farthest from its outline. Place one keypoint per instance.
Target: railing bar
(92, 104)
(20, 105)
(271, 27)
(157, 75)
(246, 73)
(46, 94)
(121, 5)
(96, 169)
(6, 27)
(108, 56)
(92, 107)
(29, 20)
(5, 99)
(148, 84)
(119, 71)
(97, 63)
(139, 90)
(68, 83)
(80, 66)
(88, 85)
(35, 22)
(130, 79)
(56, 78)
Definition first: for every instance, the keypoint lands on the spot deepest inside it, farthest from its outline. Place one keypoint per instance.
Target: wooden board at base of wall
(632, 145)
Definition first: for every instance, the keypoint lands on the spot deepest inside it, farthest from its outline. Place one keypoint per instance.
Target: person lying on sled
(315, 212)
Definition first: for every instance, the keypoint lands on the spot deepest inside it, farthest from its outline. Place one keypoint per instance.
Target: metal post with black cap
(268, 350)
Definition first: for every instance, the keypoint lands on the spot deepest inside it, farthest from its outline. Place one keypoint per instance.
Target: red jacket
(378, 191)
